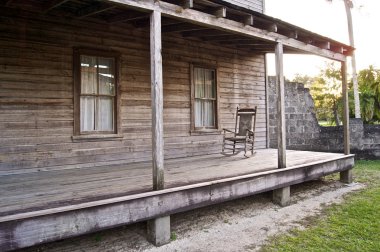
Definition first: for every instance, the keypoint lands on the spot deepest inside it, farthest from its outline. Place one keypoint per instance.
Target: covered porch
(57, 183)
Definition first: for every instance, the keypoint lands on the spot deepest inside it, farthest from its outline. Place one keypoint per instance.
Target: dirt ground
(240, 225)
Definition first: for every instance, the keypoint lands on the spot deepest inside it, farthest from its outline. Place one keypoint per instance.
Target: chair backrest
(245, 120)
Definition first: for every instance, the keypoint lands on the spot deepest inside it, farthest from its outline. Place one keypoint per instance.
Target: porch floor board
(20, 193)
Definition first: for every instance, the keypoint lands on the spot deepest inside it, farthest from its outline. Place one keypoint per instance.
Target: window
(204, 103)
(96, 93)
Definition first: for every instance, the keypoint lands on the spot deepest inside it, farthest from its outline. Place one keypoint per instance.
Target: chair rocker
(243, 138)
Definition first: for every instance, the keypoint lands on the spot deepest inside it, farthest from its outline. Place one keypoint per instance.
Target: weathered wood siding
(36, 93)
(255, 5)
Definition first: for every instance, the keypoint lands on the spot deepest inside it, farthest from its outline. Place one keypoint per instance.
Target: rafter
(206, 32)
(180, 27)
(52, 4)
(323, 44)
(291, 34)
(187, 4)
(222, 38)
(248, 20)
(245, 42)
(337, 48)
(220, 12)
(93, 9)
(125, 17)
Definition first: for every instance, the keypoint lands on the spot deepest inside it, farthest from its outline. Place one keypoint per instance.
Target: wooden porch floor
(48, 189)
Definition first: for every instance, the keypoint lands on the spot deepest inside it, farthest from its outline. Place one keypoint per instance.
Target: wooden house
(103, 122)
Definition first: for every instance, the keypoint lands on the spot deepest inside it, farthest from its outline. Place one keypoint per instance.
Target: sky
(329, 19)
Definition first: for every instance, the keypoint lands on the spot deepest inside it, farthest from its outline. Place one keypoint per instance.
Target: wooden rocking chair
(244, 136)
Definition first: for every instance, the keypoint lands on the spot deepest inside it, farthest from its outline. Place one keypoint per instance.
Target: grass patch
(351, 226)
(173, 236)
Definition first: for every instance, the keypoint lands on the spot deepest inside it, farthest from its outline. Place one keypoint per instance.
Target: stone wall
(304, 132)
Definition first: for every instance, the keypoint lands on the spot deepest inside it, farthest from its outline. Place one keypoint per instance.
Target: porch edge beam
(346, 115)
(157, 101)
(281, 130)
(210, 21)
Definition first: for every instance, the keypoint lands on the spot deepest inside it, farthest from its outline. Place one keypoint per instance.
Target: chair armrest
(228, 130)
(250, 132)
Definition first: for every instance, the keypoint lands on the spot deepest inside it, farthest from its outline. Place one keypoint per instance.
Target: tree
(369, 87)
(326, 92)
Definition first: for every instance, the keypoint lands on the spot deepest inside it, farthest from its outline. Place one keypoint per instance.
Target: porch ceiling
(268, 30)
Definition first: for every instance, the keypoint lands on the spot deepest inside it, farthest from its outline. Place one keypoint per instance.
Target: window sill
(97, 137)
(205, 132)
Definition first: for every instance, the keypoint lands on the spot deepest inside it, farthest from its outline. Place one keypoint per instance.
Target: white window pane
(208, 114)
(87, 113)
(106, 76)
(88, 74)
(199, 82)
(198, 113)
(105, 114)
(209, 83)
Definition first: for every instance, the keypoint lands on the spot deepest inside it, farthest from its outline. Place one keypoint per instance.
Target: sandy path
(242, 225)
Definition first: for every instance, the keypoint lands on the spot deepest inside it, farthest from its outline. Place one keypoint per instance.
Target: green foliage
(326, 92)
(369, 88)
(351, 226)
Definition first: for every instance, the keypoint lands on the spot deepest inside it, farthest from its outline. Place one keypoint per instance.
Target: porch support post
(159, 228)
(345, 176)
(281, 196)
(281, 130)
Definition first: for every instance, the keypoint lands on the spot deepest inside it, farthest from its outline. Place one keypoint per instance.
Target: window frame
(193, 129)
(89, 135)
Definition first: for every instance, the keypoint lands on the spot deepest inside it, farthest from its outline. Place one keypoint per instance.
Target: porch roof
(217, 22)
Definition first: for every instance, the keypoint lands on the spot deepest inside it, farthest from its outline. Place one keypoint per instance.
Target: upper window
(96, 94)
(204, 98)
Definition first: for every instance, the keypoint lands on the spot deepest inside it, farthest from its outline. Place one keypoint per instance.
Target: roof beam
(210, 21)
(93, 9)
(52, 4)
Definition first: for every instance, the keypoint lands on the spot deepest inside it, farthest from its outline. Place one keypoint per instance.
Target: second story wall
(255, 5)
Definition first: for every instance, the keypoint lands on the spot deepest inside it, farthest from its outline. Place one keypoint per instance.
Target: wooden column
(345, 176)
(281, 130)
(346, 115)
(157, 101)
(281, 196)
(159, 228)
